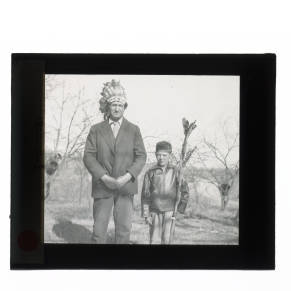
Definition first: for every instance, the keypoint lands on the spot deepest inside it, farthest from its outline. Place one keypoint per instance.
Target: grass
(70, 222)
(203, 223)
(210, 210)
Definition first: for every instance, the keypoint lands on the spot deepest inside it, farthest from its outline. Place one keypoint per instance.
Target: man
(114, 155)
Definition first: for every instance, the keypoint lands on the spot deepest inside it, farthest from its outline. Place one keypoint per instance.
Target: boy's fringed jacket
(159, 190)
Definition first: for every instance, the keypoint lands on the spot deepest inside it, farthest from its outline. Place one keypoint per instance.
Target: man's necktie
(115, 128)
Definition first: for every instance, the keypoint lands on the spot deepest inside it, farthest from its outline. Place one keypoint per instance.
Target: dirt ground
(72, 223)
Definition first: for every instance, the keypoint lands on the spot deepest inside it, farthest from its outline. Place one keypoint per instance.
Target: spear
(184, 158)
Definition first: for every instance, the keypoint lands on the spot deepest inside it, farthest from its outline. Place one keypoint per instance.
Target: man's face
(163, 158)
(116, 110)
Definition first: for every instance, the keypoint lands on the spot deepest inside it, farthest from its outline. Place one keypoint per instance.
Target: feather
(185, 123)
(192, 126)
(114, 84)
(110, 89)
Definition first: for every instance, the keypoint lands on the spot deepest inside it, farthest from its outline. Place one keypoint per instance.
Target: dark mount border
(256, 248)
(151, 64)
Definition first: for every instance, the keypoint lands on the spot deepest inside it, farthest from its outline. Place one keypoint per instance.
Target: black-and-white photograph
(142, 159)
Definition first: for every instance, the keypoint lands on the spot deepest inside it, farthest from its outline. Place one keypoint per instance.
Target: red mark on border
(28, 240)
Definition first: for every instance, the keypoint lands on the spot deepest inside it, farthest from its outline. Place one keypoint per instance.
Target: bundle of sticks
(184, 158)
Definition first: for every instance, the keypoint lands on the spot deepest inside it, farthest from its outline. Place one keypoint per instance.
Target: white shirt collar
(162, 168)
(119, 121)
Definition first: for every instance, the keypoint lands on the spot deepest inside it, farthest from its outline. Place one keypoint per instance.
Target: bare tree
(194, 175)
(51, 84)
(70, 118)
(83, 173)
(151, 135)
(216, 153)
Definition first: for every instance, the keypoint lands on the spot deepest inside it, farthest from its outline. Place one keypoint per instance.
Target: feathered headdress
(112, 91)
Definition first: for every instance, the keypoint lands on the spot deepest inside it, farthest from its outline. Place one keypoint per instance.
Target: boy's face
(163, 158)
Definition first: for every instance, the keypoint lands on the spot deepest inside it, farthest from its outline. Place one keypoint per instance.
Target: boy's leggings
(160, 230)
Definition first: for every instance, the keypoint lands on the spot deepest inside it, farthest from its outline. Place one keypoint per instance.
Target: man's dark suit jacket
(105, 155)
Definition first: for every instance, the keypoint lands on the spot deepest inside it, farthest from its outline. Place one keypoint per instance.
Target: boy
(159, 194)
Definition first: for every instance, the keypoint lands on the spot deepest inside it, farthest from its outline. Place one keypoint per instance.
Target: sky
(157, 103)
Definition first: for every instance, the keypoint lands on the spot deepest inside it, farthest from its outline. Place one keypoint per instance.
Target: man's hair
(164, 146)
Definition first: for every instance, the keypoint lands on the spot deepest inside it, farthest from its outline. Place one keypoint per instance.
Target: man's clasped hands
(116, 184)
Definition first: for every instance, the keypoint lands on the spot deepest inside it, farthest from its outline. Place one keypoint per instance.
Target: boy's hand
(148, 220)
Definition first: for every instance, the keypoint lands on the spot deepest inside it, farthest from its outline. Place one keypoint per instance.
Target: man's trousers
(161, 227)
(122, 213)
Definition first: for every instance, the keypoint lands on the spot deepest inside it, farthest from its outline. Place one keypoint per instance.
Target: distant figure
(159, 194)
(52, 163)
(224, 191)
(114, 155)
